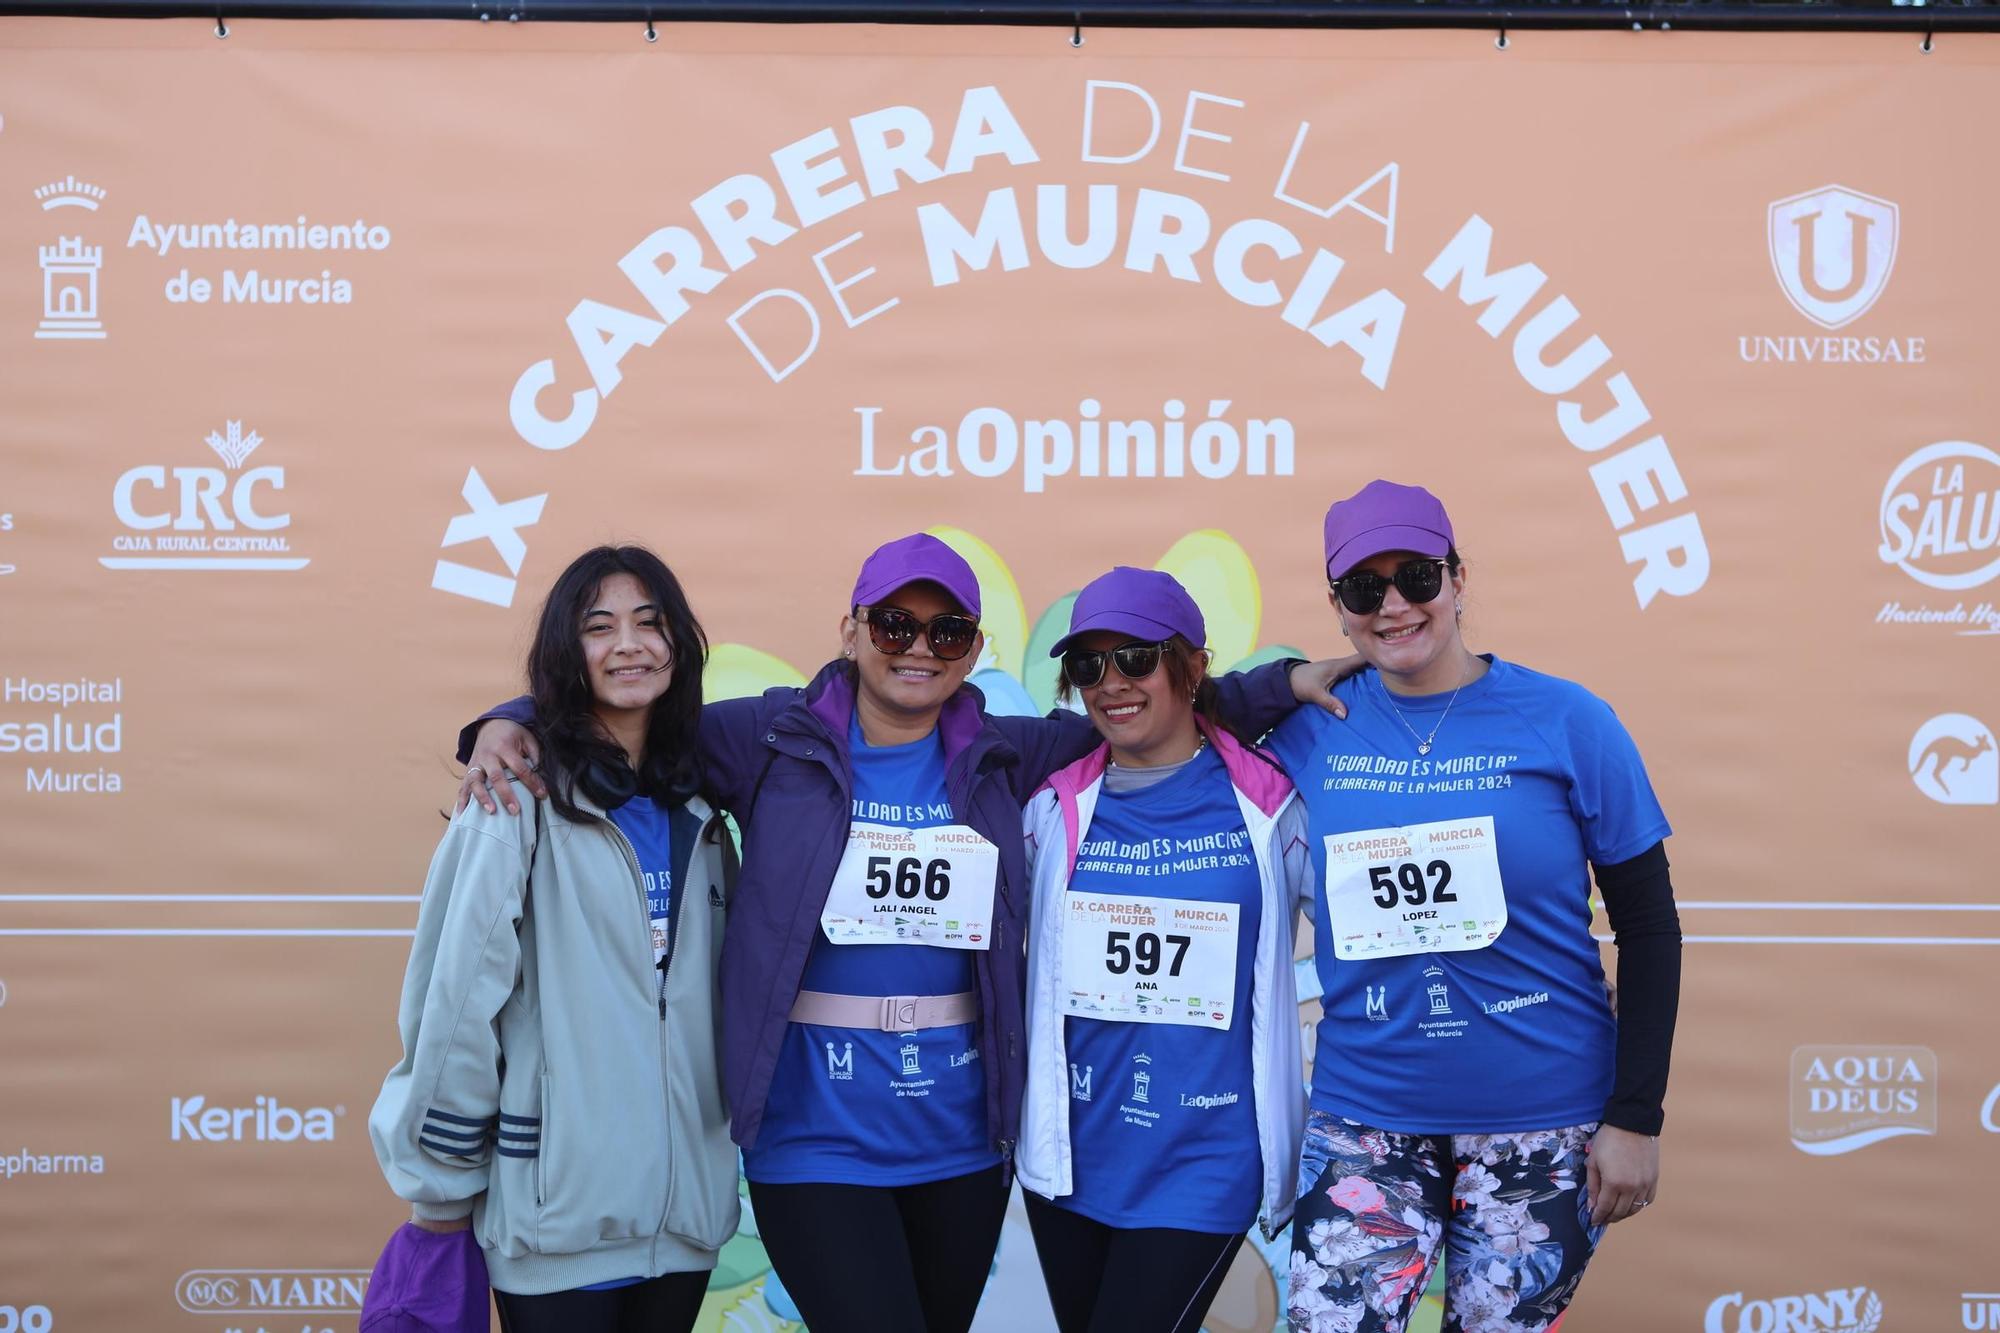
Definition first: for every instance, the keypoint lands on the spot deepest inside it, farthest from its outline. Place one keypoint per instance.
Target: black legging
(1106, 1279)
(891, 1259)
(667, 1304)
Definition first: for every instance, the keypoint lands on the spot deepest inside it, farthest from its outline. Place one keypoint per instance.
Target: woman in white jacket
(558, 1091)
(1165, 1097)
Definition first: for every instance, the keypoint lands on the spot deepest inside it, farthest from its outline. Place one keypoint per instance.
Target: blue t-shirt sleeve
(1609, 792)
(1296, 743)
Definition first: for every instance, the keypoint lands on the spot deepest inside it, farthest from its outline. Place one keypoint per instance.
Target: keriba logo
(267, 1121)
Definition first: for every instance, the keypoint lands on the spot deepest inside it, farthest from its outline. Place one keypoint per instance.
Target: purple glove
(428, 1282)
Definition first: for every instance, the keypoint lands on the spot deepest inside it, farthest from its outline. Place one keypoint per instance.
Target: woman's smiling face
(1413, 641)
(916, 680)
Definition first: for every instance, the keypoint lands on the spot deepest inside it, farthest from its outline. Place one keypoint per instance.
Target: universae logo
(1833, 249)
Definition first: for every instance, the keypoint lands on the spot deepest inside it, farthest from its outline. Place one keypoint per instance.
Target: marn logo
(1833, 249)
(327, 1291)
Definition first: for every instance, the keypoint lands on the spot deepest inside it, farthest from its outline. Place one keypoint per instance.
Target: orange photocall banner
(328, 344)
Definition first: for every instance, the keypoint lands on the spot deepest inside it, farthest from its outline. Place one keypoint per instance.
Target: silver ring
(1643, 1203)
(470, 769)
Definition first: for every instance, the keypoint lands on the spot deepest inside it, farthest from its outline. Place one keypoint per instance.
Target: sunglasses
(1084, 667)
(892, 631)
(1362, 592)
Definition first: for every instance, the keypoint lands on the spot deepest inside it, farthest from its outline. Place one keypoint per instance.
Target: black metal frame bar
(1692, 14)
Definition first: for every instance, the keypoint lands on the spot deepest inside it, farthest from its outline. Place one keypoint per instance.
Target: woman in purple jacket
(873, 1055)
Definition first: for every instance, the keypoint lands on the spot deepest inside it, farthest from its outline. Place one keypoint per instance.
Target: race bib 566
(913, 886)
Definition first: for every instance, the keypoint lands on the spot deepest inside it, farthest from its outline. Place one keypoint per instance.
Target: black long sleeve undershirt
(1639, 901)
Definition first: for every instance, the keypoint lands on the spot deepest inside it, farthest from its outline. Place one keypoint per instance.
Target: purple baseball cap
(1145, 603)
(428, 1282)
(917, 558)
(1383, 516)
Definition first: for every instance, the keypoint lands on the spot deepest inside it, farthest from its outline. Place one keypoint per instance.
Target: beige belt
(887, 1013)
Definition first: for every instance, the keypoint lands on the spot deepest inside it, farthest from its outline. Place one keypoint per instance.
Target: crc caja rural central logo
(199, 517)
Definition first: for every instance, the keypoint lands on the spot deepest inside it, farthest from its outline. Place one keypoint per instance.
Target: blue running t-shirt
(860, 1106)
(649, 829)
(1462, 990)
(1163, 1116)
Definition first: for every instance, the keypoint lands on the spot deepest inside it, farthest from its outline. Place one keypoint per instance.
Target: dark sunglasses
(892, 630)
(1362, 591)
(1084, 667)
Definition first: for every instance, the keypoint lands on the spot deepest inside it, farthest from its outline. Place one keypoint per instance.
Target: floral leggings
(1374, 1204)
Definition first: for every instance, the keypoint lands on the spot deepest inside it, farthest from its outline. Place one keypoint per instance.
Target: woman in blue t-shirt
(872, 966)
(1472, 1084)
(1165, 1095)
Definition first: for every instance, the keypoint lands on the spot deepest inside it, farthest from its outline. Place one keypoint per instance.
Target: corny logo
(1842, 1310)
(1847, 1097)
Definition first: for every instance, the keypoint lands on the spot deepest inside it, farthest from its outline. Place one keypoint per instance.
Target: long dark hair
(576, 753)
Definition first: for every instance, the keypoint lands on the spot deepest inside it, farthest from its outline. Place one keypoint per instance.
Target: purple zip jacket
(785, 754)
